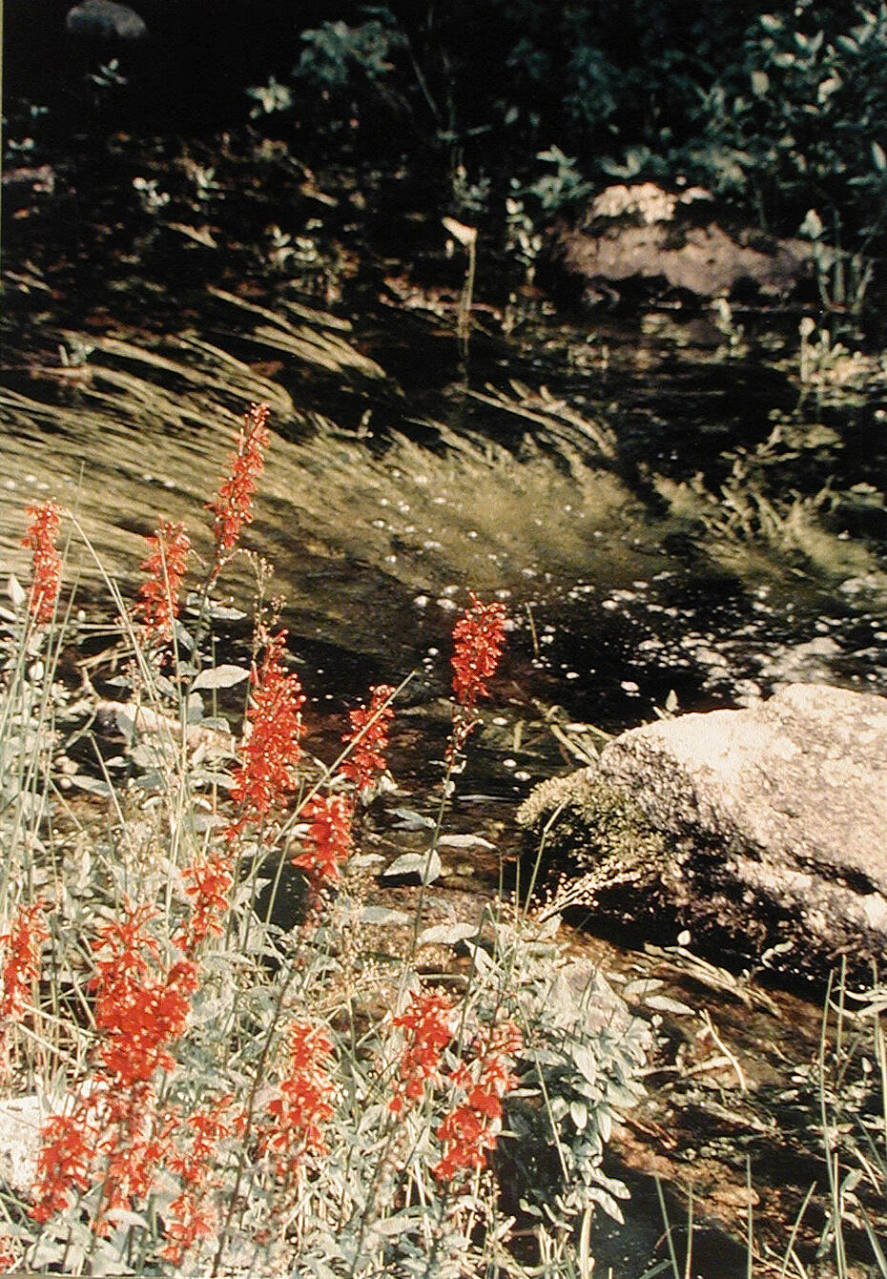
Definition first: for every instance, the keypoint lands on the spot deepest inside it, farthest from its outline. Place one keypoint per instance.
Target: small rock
(105, 20)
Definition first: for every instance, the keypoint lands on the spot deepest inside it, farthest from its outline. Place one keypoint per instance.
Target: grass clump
(224, 1090)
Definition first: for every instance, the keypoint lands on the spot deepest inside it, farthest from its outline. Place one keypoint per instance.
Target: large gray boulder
(763, 830)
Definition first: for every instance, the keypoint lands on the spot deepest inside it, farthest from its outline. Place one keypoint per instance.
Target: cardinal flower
(233, 504)
(271, 749)
(46, 562)
(165, 564)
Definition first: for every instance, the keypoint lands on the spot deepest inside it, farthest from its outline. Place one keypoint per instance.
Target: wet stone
(759, 828)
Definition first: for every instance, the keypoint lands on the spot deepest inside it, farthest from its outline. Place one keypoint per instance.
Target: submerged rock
(105, 20)
(762, 830)
(645, 234)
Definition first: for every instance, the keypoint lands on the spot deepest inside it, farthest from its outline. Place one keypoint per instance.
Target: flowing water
(662, 503)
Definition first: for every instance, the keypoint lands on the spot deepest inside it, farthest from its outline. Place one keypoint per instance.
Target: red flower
(191, 1216)
(139, 1009)
(479, 637)
(21, 963)
(208, 884)
(233, 503)
(427, 1022)
(328, 839)
(165, 565)
(46, 562)
(10, 1259)
(270, 751)
(64, 1164)
(116, 1135)
(302, 1104)
(369, 735)
(472, 1128)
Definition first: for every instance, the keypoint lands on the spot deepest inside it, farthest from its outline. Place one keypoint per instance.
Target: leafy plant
(237, 1071)
(796, 125)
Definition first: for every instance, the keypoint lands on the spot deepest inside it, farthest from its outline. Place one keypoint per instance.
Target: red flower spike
(21, 963)
(427, 1022)
(328, 839)
(271, 750)
(208, 884)
(165, 566)
(479, 637)
(302, 1104)
(233, 504)
(369, 733)
(472, 1128)
(63, 1165)
(191, 1216)
(46, 561)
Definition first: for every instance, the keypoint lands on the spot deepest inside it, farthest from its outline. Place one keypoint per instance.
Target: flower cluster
(478, 637)
(139, 1008)
(302, 1103)
(472, 1127)
(368, 739)
(21, 958)
(46, 561)
(208, 885)
(427, 1023)
(165, 566)
(114, 1133)
(328, 838)
(233, 503)
(271, 749)
(191, 1216)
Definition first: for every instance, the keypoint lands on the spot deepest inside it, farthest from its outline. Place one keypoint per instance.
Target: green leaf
(16, 591)
(579, 1115)
(423, 867)
(224, 676)
(585, 1061)
(94, 785)
(447, 934)
(384, 915)
(662, 1004)
(879, 157)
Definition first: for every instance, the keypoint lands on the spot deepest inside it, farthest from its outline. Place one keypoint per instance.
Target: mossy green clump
(586, 826)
